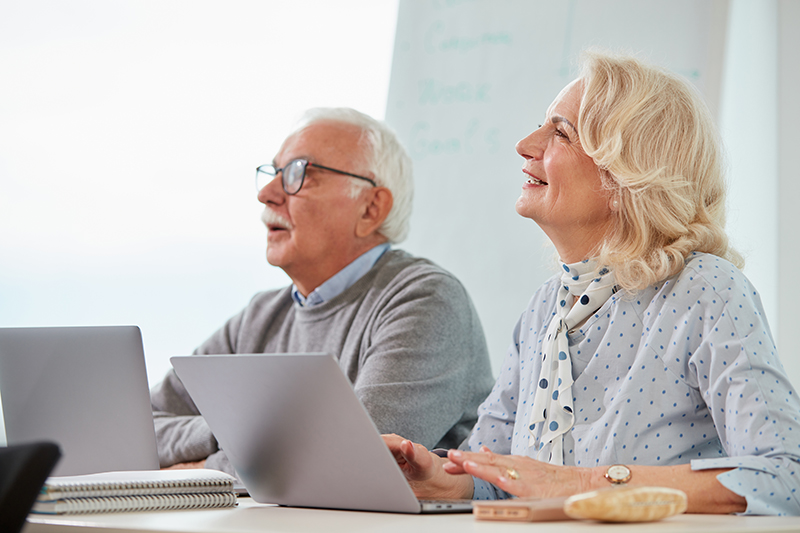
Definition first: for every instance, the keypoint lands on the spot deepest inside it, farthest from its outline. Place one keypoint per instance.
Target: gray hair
(384, 156)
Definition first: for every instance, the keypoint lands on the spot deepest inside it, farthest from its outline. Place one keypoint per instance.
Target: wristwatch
(618, 474)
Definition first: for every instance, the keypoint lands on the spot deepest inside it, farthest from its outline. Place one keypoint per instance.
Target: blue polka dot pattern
(581, 281)
(685, 371)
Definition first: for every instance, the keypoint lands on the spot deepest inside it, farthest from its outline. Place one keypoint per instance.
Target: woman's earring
(614, 204)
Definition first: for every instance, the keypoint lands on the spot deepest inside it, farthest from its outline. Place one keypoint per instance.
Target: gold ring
(512, 474)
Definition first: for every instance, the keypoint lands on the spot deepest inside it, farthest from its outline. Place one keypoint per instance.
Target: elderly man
(403, 330)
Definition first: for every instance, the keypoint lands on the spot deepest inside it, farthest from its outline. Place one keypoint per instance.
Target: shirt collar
(342, 280)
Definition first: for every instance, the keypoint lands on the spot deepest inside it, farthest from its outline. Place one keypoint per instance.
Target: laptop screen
(84, 388)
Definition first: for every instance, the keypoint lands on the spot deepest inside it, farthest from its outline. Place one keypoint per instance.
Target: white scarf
(551, 414)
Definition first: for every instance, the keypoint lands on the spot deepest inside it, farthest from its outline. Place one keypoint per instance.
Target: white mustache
(270, 217)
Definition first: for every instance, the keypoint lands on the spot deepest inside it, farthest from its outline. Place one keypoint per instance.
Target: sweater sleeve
(182, 434)
(424, 363)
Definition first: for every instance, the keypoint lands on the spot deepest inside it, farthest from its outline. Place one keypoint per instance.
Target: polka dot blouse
(684, 371)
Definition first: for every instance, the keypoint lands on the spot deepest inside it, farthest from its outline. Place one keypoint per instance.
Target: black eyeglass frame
(306, 163)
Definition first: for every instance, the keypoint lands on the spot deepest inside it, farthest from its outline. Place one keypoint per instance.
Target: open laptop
(84, 388)
(296, 433)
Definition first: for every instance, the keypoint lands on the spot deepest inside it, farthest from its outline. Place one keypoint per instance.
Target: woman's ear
(613, 189)
(376, 208)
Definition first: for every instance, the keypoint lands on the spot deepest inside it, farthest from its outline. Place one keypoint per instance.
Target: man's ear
(374, 211)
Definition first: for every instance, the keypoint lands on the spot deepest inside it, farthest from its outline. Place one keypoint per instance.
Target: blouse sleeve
(753, 404)
(496, 417)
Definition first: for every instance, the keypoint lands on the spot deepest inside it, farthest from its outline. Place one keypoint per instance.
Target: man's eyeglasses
(294, 174)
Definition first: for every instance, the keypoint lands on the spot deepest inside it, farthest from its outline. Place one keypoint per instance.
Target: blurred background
(130, 131)
(129, 136)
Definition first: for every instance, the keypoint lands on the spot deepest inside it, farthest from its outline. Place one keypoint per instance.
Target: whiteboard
(472, 77)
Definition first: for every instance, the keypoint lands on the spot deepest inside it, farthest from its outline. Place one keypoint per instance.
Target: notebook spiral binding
(161, 502)
(136, 488)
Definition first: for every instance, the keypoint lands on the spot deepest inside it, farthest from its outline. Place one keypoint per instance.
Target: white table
(251, 517)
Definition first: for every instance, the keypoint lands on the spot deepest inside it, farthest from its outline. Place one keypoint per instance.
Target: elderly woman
(648, 360)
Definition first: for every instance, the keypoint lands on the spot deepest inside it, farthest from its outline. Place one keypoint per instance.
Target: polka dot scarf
(551, 414)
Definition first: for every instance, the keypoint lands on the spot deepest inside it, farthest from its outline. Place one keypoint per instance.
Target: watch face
(618, 473)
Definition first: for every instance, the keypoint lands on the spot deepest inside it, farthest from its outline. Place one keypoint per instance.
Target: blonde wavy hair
(658, 150)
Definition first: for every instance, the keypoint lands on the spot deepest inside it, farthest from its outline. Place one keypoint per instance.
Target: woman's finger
(485, 456)
(453, 468)
(506, 478)
(490, 473)
(408, 451)
(393, 442)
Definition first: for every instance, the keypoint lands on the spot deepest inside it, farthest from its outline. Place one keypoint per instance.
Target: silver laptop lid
(295, 431)
(84, 388)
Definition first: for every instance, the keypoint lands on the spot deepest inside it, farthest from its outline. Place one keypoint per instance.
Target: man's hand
(186, 466)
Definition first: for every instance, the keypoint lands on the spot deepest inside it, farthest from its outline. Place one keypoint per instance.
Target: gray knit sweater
(405, 334)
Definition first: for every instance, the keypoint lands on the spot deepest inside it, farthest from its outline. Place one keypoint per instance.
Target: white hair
(384, 156)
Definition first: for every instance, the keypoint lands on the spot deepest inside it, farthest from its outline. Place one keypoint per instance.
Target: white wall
(788, 143)
(759, 117)
(749, 126)
(129, 135)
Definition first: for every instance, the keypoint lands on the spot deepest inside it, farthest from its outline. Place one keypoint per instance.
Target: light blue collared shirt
(684, 372)
(342, 280)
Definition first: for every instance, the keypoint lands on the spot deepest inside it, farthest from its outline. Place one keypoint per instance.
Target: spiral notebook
(148, 490)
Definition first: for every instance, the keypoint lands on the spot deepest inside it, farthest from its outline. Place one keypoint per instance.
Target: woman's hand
(424, 472)
(518, 475)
